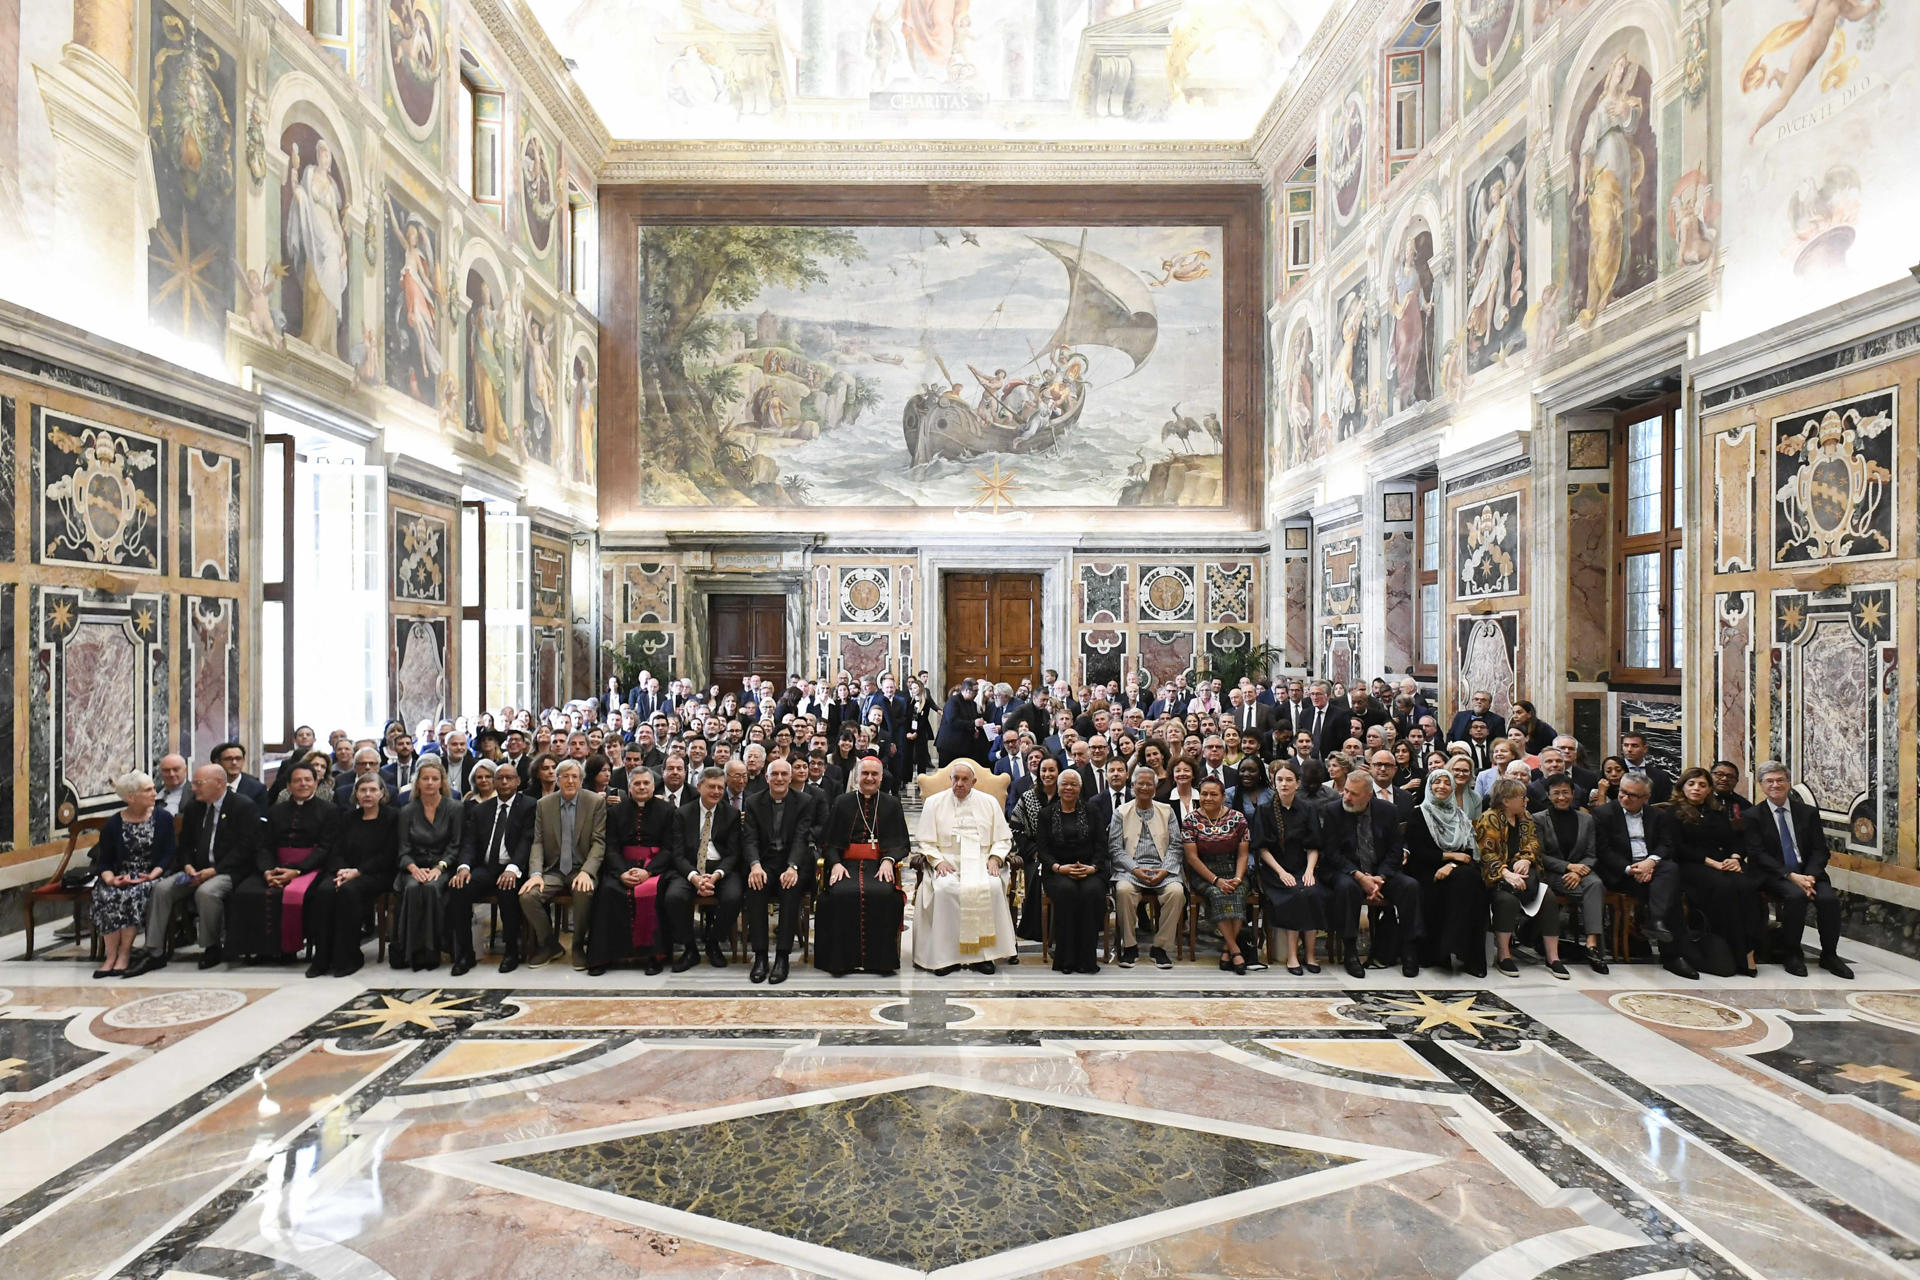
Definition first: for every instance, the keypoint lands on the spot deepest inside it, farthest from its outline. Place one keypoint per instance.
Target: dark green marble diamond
(927, 1177)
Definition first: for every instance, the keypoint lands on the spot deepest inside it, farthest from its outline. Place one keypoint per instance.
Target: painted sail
(1108, 305)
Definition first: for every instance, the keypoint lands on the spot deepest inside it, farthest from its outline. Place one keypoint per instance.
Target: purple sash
(293, 899)
(646, 895)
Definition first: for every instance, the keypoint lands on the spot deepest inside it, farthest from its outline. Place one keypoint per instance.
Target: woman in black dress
(360, 864)
(1443, 856)
(430, 828)
(1294, 900)
(1075, 867)
(1709, 842)
(1025, 821)
(961, 736)
(642, 830)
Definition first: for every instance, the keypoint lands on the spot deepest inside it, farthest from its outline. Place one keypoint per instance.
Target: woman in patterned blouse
(1216, 839)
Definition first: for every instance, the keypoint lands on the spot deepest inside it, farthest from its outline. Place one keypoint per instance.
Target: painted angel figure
(1810, 36)
(1497, 277)
(416, 309)
(413, 44)
(264, 317)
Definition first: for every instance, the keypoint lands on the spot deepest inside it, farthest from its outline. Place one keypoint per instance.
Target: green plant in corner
(627, 657)
(1250, 661)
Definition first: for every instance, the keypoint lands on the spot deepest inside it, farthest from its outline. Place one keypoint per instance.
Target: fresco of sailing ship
(1032, 409)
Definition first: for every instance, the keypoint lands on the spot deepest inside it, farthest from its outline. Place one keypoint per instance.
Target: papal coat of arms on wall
(101, 503)
(1833, 481)
(1487, 534)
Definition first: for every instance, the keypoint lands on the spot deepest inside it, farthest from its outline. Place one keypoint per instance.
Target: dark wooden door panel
(748, 636)
(992, 626)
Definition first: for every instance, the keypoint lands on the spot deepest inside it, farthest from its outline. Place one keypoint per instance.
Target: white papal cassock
(962, 918)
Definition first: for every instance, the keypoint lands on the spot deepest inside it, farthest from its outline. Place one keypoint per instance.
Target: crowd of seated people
(645, 826)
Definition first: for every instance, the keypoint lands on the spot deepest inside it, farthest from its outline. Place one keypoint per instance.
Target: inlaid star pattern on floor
(11, 1067)
(1461, 1015)
(419, 1012)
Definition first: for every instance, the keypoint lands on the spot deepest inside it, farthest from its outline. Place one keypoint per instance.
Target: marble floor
(246, 1122)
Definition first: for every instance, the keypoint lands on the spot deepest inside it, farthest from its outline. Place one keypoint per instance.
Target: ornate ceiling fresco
(851, 70)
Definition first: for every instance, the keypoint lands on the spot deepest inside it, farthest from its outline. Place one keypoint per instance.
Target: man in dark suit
(707, 861)
(674, 787)
(569, 841)
(495, 853)
(220, 846)
(1113, 795)
(1553, 764)
(1367, 709)
(1788, 853)
(1635, 751)
(1633, 845)
(645, 697)
(1383, 767)
(1363, 852)
(774, 846)
(1481, 704)
(1029, 776)
(1255, 719)
(1329, 722)
(232, 757)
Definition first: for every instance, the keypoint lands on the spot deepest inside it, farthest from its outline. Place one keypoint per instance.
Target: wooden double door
(992, 627)
(748, 635)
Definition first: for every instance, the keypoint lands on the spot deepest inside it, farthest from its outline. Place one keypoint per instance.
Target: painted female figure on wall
(537, 383)
(586, 418)
(1410, 371)
(1614, 226)
(413, 335)
(1497, 269)
(313, 237)
(486, 368)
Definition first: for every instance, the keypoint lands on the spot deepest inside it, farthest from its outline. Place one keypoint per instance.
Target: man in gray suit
(569, 839)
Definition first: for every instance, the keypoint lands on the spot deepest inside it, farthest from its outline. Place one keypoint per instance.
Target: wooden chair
(941, 779)
(1620, 909)
(81, 899)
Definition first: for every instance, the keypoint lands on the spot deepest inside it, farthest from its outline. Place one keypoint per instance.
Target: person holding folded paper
(1512, 863)
(960, 908)
(857, 922)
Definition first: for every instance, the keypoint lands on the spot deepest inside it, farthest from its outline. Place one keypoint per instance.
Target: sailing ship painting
(922, 366)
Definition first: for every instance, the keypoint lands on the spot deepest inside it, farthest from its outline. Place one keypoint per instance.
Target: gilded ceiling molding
(1294, 117)
(539, 69)
(919, 161)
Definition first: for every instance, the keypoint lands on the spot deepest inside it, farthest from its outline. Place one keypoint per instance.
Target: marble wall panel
(1589, 527)
(98, 685)
(1119, 602)
(11, 659)
(1733, 484)
(866, 601)
(1103, 592)
(210, 677)
(865, 595)
(1340, 576)
(1487, 656)
(1658, 720)
(1229, 593)
(549, 583)
(659, 649)
(209, 515)
(1167, 595)
(98, 696)
(903, 589)
(1834, 483)
(100, 488)
(650, 591)
(550, 665)
(1225, 644)
(1297, 602)
(1340, 647)
(420, 682)
(1166, 654)
(1734, 657)
(865, 653)
(1837, 670)
(1397, 563)
(1486, 546)
(1103, 655)
(421, 557)
(8, 452)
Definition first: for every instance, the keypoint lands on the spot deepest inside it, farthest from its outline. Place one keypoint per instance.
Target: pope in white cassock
(960, 913)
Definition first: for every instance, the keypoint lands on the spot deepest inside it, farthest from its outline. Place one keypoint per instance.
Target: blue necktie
(1787, 851)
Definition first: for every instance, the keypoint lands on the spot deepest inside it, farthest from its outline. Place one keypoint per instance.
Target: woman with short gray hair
(134, 850)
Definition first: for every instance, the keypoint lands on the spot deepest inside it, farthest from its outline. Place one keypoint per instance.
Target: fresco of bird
(969, 237)
(1182, 425)
(942, 241)
(1215, 432)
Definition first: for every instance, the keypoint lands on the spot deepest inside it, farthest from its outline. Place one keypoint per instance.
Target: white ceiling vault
(931, 70)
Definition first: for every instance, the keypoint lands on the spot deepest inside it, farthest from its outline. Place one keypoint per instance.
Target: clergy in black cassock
(858, 922)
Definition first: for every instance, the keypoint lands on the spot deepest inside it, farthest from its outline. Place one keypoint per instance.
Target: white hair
(130, 782)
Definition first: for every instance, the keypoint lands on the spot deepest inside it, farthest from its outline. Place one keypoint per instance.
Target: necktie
(706, 835)
(1788, 853)
(1317, 714)
(493, 836)
(406, 774)
(567, 811)
(213, 825)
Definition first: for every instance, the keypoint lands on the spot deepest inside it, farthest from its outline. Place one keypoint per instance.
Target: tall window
(1413, 88)
(482, 116)
(473, 606)
(1651, 508)
(509, 610)
(331, 23)
(276, 593)
(1427, 578)
(1298, 194)
(581, 263)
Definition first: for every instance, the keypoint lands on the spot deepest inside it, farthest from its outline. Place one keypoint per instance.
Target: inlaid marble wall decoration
(1835, 665)
(8, 452)
(866, 595)
(1166, 594)
(209, 514)
(99, 492)
(865, 653)
(1397, 567)
(1733, 670)
(658, 649)
(210, 695)
(1486, 543)
(1103, 655)
(100, 670)
(1733, 505)
(1340, 650)
(649, 591)
(1486, 656)
(421, 552)
(1589, 450)
(11, 656)
(1657, 719)
(1225, 644)
(1103, 592)
(824, 596)
(903, 585)
(1340, 576)
(1230, 593)
(1589, 567)
(1297, 600)
(1165, 655)
(550, 665)
(420, 683)
(549, 580)
(1834, 481)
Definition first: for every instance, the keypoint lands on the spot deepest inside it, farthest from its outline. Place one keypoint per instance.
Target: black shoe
(759, 971)
(1656, 933)
(1226, 964)
(1160, 960)
(714, 957)
(146, 964)
(656, 965)
(985, 966)
(318, 969)
(1681, 967)
(1312, 968)
(1409, 968)
(596, 970)
(1595, 963)
(509, 963)
(210, 957)
(687, 960)
(463, 965)
(1089, 968)
(1239, 965)
(1839, 968)
(1013, 959)
(351, 967)
(1295, 970)
(1795, 964)
(1354, 968)
(1510, 967)
(941, 973)
(779, 974)
(1129, 956)
(1477, 970)
(1558, 970)
(106, 973)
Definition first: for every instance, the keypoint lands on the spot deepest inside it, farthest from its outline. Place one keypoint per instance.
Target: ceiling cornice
(539, 69)
(1294, 117)
(919, 161)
